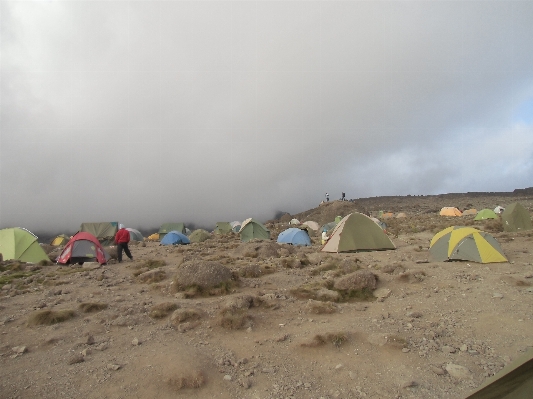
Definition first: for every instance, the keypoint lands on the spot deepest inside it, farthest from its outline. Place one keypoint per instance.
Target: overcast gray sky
(204, 111)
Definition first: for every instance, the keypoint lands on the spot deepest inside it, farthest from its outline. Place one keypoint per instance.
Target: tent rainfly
(175, 238)
(168, 227)
(251, 229)
(357, 232)
(516, 218)
(486, 214)
(450, 211)
(60, 239)
(20, 244)
(465, 243)
(103, 231)
(135, 235)
(223, 228)
(83, 247)
(294, 236)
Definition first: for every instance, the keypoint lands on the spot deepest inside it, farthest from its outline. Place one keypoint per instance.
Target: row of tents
(514, 218)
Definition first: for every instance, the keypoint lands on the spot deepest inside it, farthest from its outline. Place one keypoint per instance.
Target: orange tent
(450, 211)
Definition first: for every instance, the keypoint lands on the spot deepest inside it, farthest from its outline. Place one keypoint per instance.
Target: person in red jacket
(121, 239)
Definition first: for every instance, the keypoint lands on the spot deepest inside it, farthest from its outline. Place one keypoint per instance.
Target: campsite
(402, 302)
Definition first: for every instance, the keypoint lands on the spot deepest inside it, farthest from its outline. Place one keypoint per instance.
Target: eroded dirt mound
(258, 249)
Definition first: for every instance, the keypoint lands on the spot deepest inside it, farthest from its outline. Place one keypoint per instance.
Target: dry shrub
(152, 264)
(318, 307)
(493, 225)
(233, 318)
(337, 339)
(412, 276)
(48, 317)
(183, 315)
(250, 271)
(152, 276)
(91, 307)
(45, 262)
(162, 310)
(330, 264)
(392, 269)
(195, 379)
(307, 291)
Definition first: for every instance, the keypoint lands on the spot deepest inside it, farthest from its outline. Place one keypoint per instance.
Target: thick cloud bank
(153, 112)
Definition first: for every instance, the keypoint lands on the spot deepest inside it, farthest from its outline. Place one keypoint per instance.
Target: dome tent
(175, 238)
(450, 211)
(83, 247)
(486, 214)
(251, 229)
(465, 243)
(294, 236)
(60, 239)
(199, 235)
(357, 232)
(20, 244)
(516, 218)
(223, 228)
(168, 227)
(135, 235)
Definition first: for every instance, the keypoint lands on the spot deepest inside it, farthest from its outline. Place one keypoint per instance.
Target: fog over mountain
(180, 111)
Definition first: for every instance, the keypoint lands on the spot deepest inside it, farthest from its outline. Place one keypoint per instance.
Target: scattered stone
(463, 348)
(6, 287)
(382, 293)
(135, 342)
(282, 338)
(19, 349)
(246, 383)
(86, 352)
(102, 347)
(227, 377)
(497, 295)
(338, 366)
(437, 370)
(414, 315)
(114, 367)
(448, 349)
(410, 384)
(268, 370)
(77, 358)
(459, 372)
(406, 350)
(90, 340)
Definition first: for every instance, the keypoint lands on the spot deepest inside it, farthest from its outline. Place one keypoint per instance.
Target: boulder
(203, 274)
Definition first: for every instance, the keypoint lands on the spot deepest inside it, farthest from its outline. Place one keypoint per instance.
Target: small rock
(20, 349)
(6, 287)
(268, 370)
(382, 293)
(77, 358)
(414, 315)
(463, 348)
(135, 341)
(448, 349)
(405, 350)
(409, 384)
(227, 377)
(459, 372)
(102, 347)
(338, 366)
(249, 329)
(86, 352)
(90, 340)
(307, 385)
(113, 366)
(437, 370)
(246, 383)
(497, 295)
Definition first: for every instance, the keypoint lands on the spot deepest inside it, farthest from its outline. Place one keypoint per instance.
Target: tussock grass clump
(307, 291)
(250, 271)
(233, 318)
(162, 310)
(152, 276)
(330, 264)
(48, 317)
(45, 262)
(92, 307)
(392, 269)
(363, 294)
(493, 225)
(337, 339)
(183, 315)
(319, 307)
(193, 380)
(152, 264)
(9, 278)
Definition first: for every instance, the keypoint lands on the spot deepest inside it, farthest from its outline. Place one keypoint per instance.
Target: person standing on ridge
(327, 197)
(121, 239)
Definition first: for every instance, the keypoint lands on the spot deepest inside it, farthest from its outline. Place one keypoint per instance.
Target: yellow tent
(450, 211)
(465, 243)
(153, 237)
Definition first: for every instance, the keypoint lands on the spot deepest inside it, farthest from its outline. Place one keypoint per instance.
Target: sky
(148, 112)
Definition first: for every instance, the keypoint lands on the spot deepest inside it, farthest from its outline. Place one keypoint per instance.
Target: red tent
(83, 247)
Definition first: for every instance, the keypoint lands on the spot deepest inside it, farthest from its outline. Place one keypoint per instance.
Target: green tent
(338, 219)
(486, 214)
(357, 232)
(168, 227)
(251, 229)
(516, 218)
(465, 243)
(103, 231)
(20, 244)
(514, 381)
(199, 235)
(223, 228)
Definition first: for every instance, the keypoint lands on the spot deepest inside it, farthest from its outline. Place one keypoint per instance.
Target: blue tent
(294, 236)
(174, 237)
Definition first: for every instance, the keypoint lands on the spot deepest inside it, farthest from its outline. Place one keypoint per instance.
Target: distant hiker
(327, 197)
(121, 239)
(343, 197)
(325, 237)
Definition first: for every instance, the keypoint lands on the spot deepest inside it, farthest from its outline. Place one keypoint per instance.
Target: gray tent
(168, 227)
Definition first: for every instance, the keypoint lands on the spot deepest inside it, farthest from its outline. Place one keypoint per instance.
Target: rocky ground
(226, 319)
